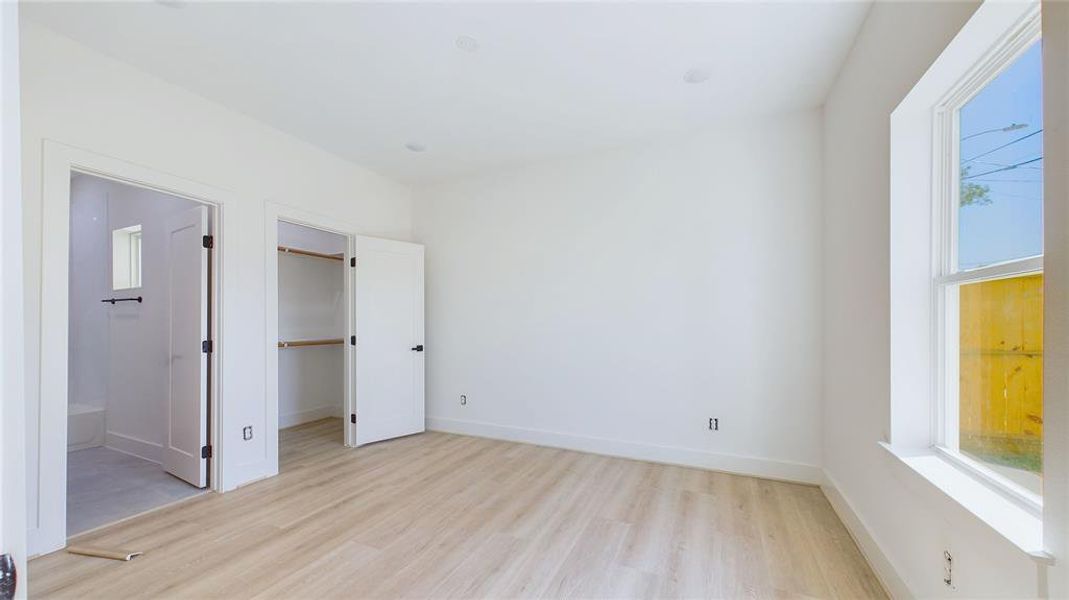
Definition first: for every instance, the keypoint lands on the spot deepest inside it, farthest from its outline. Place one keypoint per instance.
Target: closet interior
(311, 328)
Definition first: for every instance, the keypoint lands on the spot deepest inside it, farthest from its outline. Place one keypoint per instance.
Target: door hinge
(352, 340)
(208, 241)
(352, 262)
(207, 346)
(352, 418)
(205, 451)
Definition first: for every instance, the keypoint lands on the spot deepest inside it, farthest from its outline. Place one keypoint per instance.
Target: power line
(1010, 127)
(1010, 143)
(1006, 168)
(996, 164)
(1018, 196)
(1009, 180)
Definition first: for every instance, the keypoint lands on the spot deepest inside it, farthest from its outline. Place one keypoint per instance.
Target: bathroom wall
(139, 356)
(89, 339)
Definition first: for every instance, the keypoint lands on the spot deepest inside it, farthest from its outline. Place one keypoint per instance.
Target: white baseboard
(673, 455)
(133, 446)
(307, 416)
(881, 565)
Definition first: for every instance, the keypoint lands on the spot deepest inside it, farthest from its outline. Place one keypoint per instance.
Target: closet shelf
(289, 250)
(299, 343)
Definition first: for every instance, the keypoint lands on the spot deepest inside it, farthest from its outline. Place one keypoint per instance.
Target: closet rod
(289, 250)
(297, 343)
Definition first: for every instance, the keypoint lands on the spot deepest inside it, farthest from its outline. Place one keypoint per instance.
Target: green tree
(973, 194)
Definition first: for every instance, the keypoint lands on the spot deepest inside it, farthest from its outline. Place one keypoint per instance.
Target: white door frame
(12, 397)
(49, 532)
(274, 213)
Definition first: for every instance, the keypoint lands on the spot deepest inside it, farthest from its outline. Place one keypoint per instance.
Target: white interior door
(186, 435)
(389, 339)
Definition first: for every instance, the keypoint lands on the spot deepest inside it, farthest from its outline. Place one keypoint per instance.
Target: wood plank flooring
(438, 515)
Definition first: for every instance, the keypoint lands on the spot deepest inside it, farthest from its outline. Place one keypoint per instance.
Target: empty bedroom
(575, 299)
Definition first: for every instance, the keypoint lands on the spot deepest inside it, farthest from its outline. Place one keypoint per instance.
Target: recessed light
(415, 146)
(696, 75)
(468, 43)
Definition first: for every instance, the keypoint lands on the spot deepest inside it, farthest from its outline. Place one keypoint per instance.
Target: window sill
(1012, 522)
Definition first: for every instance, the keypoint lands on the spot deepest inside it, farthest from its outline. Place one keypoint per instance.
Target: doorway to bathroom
(139, 368)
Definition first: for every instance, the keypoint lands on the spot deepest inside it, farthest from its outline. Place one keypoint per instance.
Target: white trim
(137, 447)
(58, 162)
(927, 472)
(993, 480)
(308, 415)
(1003, 270)
(13, 417)
(672, 455)
(870, 548)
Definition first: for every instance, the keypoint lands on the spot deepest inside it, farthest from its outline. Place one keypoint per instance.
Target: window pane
(1001, 371)
(1000, 212)
(126, 258)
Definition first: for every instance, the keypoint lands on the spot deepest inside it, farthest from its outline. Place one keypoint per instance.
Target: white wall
(90, 243)
(311, 305)
(616, 302)
(903, 530)
(12, 408)
(1056, 280)
(80, 98)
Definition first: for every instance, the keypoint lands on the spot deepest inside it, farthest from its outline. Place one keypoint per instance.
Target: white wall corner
(881, 564)
(292, 419)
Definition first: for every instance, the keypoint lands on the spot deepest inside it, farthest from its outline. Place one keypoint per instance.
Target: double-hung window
(966, 254)
(988, 281)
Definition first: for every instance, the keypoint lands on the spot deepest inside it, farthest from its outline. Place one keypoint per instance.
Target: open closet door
(186, 436)
(389, 339)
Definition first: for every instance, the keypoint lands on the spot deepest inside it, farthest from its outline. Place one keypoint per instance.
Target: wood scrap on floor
(112, 553)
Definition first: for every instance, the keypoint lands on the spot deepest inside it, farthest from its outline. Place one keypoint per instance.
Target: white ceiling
(548, 79)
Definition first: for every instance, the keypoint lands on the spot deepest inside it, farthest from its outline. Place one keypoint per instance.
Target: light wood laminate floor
(439, 515)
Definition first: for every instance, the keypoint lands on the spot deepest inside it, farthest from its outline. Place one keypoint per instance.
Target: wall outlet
(714, 424)
(463, 400)
(246, 433)
(948, 569)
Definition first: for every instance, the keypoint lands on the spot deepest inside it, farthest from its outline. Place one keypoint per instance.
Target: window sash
(946, 418)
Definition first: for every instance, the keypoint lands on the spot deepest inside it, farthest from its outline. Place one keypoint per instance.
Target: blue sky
(1011, 226)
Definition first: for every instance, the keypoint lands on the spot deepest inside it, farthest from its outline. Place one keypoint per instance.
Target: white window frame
(922, 175)
(947, 277)
(128, 247)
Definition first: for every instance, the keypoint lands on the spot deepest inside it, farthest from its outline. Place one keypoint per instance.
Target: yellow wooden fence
(1001, 370)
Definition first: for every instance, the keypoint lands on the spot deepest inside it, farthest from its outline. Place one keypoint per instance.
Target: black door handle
(418, 348)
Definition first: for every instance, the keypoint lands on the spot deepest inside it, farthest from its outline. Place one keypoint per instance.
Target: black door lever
(418, 348)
